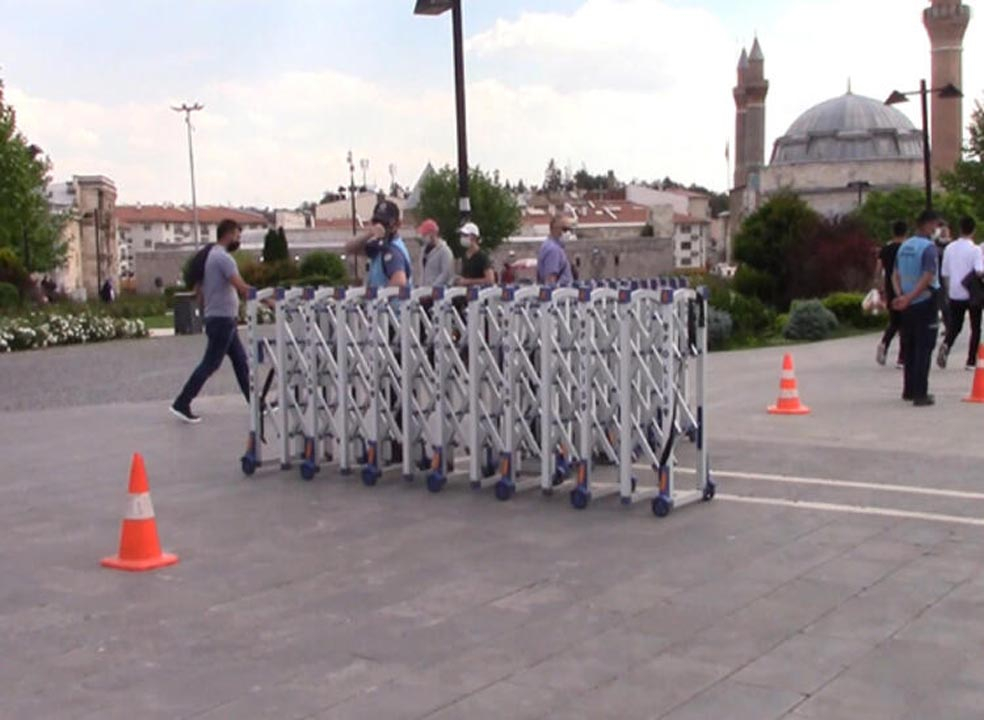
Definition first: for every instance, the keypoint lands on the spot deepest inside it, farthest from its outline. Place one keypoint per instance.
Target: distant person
(476, 268)
(961, 259)
(220, 282)
(107, 293)
(552, 265)
(438, 262)
(886, 265)
(917, 285)
(389, 259)
(941, 238)
(508, 273)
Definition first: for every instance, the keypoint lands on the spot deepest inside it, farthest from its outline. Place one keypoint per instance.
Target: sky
(641, 87)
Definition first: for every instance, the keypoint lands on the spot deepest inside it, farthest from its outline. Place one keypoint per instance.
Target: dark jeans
(919, 328)
(222, 340)
(957, 310)
(894, 326)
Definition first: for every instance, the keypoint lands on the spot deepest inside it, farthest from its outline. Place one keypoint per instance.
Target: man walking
(886, 264)
(552, 265)
(218, 287)
(438, 262)
(961, 260)
(916, 286)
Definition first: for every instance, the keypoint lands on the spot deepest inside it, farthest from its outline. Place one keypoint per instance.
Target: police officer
(389, 259)
(917, 285)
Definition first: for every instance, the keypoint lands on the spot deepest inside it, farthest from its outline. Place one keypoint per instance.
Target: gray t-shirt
(438, 266)
(221, 298)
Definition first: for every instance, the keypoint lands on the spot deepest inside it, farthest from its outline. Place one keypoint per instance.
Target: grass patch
(159, 322)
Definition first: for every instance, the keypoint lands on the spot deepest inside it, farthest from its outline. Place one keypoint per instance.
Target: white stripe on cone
(788, 394)
(788, 375)
(139, 507)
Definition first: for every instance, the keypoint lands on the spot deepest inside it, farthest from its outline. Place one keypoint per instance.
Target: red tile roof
(145, 214)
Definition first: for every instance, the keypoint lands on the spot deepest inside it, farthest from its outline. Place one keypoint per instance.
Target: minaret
(946, 21)
(740, 112)
(756, 88)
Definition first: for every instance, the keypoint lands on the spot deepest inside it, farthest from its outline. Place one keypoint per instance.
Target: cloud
(642, 87)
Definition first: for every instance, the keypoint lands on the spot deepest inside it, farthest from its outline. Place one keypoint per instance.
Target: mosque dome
(849, 128)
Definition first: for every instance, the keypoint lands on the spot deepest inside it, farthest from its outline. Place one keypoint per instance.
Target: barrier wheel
(504, 490)
(436, 482)
(709, 490)
(661, 506)
(308, 470)
(248, 464)
(370, 476)
(580, 498)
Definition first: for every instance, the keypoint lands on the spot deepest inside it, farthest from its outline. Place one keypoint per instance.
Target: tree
(553, 178)
(275, 246)
(27, 225)
(881, 210)
(967, 177)
(493, 208)
(767, 241)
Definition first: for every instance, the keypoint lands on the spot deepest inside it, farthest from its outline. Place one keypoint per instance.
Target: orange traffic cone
(789, 401)
(140, 548)
(977, 392)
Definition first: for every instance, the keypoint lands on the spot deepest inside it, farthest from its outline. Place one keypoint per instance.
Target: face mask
(233, 246)
(937, 233)
(567, 235)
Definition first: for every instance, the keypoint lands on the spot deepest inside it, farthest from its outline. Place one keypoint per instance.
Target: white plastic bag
(873, 303)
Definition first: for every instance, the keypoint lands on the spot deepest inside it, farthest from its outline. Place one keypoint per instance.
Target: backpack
(194, 271)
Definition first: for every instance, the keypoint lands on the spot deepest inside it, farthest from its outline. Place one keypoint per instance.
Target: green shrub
(9, 297)
(12, 269)
(809, 320)
(719, 328)
(322, 264)
(750, 315)
(755, 283)
(847, 307)
(779, 325)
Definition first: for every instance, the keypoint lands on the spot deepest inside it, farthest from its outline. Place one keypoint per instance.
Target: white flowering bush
(41, 330)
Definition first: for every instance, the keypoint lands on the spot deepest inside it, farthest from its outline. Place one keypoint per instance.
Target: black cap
(386, 213)
(928, 216)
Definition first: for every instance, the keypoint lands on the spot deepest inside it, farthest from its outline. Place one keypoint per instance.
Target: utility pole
(188, 110)
(355, 227)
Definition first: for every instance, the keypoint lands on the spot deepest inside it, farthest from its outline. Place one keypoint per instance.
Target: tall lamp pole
(188, 110)
(860, 186)
(355, 227)
(947, 92)
(438, 7)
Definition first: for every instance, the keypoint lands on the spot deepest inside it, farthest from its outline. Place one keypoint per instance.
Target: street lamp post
(355, 227)
(188, 110)
(860, 186)
(947, 92)
(437, 7)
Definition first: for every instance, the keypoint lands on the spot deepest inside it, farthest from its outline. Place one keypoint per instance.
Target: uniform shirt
(552, 260)
(960, 258)
(917, 256)
(221, 299)
(438, 265)
(474, 267)
(387, 257)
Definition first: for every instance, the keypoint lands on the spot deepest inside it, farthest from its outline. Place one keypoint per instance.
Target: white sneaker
(880, 355)
(185, 415)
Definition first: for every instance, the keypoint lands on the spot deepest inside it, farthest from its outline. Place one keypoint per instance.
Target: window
(685, 229)
(685, 246)
(685, 262)
(167, 226)
(148, 244)
(147, 227)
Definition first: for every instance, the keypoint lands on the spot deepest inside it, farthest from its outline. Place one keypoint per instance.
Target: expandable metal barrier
(535, 385)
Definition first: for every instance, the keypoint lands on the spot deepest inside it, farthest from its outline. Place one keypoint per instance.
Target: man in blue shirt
(552, 265)
(389, 259)
(917, 283)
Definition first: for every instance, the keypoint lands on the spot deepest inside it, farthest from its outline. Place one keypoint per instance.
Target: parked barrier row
(516, 386)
